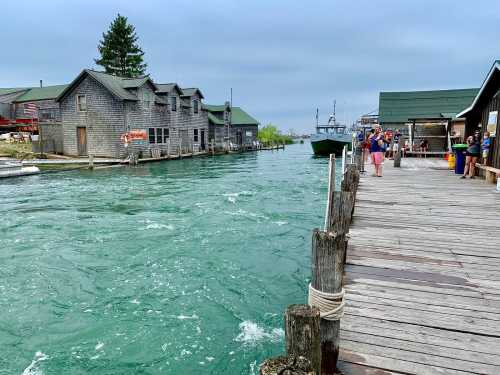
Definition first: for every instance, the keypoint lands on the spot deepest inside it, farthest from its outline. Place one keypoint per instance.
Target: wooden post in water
(91, 161)
(350, 183)
(302, 342)
(302, 335)
(286, 366)
(168, 149)
(328, 254)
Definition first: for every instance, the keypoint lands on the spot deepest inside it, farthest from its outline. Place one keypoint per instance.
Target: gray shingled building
(233, 123)
(97, 109)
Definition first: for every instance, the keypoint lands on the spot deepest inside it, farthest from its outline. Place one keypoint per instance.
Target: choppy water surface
(181, 267)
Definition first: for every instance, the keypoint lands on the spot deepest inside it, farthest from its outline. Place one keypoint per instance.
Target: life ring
(125, 138)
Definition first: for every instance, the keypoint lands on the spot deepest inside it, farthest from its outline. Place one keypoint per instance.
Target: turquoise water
(181, 267)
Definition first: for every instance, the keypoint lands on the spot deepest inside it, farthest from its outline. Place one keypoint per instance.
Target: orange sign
(134, 135)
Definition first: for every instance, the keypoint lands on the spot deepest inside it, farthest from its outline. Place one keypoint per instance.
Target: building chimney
(41, 83)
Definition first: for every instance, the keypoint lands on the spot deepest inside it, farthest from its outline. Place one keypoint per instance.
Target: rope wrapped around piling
(331, 305)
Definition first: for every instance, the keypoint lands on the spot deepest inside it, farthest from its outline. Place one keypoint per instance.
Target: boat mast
(317, 120)
(334, 108)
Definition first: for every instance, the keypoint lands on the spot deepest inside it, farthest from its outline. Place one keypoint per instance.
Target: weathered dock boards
(423, 275)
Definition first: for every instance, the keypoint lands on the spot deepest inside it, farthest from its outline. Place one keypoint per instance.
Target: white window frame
(79, 102)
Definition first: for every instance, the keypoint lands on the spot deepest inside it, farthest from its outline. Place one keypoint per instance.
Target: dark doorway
(239, 138)
(202, 145)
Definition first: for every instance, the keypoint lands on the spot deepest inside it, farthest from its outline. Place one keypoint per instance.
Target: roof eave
(464, 112)
(67, 90)
(496, 66)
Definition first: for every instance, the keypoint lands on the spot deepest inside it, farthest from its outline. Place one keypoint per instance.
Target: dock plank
(422, 274)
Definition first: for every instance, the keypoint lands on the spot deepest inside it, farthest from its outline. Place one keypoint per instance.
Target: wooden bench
(490, 173)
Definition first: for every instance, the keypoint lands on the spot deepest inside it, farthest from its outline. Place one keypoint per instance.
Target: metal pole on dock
(331, 191)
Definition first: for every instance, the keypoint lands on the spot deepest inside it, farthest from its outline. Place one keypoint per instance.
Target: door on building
(239, 138)
(185, 141)
(202, 141)
(81, 141)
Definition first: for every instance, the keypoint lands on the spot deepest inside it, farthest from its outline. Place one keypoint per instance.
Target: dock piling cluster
(329, 247)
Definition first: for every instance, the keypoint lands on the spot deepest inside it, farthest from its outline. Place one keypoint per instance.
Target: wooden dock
(422, 274)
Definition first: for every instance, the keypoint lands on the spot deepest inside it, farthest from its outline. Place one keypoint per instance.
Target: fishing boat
(331, 138)
(15, 169)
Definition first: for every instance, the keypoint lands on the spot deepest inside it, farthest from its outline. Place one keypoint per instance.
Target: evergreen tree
(120, 53)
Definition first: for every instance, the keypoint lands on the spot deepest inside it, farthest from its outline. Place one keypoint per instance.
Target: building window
(152, 137)
(47, 114)
(159, 135)
(81, 103)
(195, 106)
(173, 103)
(195, 136)
(146, 98)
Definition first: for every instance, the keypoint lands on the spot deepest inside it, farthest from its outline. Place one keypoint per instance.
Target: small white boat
(15, 169)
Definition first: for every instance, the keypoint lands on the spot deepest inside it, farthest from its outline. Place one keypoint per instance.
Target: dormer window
(195, 106)
(173, 103)
(81, 103)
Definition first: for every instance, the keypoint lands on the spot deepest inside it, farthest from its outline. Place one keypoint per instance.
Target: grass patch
(16, 150)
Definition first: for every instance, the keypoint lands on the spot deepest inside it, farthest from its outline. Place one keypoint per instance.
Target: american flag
(31, 109)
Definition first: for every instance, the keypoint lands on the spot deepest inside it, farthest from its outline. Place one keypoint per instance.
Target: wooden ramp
(423, 275)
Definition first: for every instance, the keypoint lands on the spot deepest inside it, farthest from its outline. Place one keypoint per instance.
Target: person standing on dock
(485, 146)
(366, 147)
(376, 144)
(472, 154)
(395, 145)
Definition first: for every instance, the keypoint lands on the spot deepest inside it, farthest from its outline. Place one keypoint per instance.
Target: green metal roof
(240, 117)
(41, 93)
(214, 119)
(12, 90)
(214, 108)
(398, 107)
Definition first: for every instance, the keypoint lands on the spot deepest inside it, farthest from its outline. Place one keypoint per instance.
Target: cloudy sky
(283, 59)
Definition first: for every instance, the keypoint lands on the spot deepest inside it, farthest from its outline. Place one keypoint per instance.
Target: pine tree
(120, 53)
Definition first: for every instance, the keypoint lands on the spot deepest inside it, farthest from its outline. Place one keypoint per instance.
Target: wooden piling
(343, 206)
(302, 335)
(350, 181)
(397, 159)
(286, 366)
(91, 161)
(328, 254)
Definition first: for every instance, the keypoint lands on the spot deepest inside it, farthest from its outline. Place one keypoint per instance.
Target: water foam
(186, 317)
(150, 224)
(251, 333)
(32, 369)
